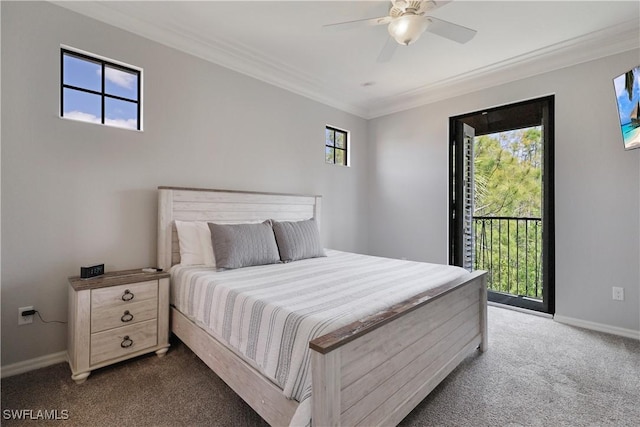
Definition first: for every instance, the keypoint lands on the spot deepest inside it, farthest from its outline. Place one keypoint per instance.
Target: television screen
(627, 88)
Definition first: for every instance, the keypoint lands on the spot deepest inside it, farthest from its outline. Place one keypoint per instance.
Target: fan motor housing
(417, 7)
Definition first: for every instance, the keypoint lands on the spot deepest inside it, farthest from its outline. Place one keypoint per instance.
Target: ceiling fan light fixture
(408, 28)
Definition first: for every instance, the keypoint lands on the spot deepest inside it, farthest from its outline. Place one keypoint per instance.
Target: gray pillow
(243, 245)
(298, 240)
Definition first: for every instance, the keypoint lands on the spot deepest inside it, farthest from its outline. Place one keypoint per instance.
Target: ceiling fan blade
(348, 25)
(388, 50)
(449, 30)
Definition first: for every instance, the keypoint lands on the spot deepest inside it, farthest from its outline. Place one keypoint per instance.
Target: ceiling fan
(407, 20)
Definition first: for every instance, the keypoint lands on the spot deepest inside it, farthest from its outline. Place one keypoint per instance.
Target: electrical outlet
(24, 320)
(618, 293)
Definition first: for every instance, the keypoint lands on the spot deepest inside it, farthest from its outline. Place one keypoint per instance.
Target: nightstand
(114, 317)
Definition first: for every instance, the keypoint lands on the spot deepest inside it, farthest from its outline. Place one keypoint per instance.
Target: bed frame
(371, 372)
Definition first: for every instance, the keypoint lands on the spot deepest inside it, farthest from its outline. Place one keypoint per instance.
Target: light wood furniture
(371, 372)
(114, 317)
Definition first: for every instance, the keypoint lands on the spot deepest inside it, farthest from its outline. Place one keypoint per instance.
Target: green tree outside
(508, 184)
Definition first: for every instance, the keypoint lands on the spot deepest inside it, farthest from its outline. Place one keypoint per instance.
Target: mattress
(268, 314)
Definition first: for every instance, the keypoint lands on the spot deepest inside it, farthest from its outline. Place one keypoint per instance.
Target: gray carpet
(536, 373)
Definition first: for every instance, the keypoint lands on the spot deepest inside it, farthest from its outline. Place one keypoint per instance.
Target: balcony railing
(510, 249)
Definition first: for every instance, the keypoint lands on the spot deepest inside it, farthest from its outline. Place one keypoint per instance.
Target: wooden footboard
(374, 372)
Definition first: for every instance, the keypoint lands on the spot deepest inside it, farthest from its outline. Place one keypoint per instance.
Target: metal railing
(510, 249)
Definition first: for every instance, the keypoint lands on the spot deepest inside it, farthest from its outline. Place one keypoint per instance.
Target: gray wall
(597, 186)
(75, 193)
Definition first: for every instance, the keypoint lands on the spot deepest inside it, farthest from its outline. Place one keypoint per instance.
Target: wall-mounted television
(627, 88)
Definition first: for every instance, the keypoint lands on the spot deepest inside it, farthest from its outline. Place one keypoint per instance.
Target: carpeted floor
(536, 373)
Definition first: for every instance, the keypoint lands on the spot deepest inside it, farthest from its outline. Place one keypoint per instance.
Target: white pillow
(195, 243)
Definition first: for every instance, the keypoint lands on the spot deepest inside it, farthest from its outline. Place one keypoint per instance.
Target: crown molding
(596, 45)
(248, 61)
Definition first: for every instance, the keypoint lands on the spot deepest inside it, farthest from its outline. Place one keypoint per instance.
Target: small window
(96, 90)
(336, 145)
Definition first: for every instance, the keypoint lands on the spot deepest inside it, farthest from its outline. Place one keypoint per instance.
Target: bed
(369, 370)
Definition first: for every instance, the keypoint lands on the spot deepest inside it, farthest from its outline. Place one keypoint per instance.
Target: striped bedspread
(268, 314)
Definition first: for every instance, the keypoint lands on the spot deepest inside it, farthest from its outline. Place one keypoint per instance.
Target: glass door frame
(456, 154)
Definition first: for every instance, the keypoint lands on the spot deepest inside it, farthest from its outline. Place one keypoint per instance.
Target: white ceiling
(283, 43)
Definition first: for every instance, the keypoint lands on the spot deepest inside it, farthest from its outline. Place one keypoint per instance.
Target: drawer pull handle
(127, 317)
(126, 342)
(127, 296)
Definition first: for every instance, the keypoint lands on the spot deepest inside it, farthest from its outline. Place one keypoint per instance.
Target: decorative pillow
(243, 245)
(298, 240)
(194, 238)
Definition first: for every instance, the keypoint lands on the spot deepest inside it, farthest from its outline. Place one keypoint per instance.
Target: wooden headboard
(223, 207)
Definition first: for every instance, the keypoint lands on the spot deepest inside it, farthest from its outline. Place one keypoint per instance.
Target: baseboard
(33, 364)
(520, 309)
(599, 327)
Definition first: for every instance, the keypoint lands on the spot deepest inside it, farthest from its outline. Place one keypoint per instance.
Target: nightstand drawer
(103, 318)
(122, 341)
(124, 294)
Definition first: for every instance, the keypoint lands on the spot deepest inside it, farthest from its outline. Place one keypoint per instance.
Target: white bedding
(268, 314)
